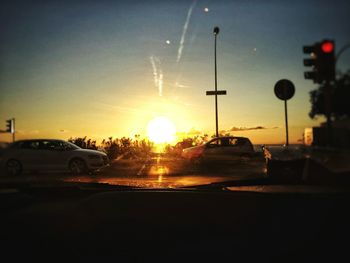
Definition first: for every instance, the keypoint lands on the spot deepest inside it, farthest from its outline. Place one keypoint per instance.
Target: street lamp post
(216, 92)
(216, 32)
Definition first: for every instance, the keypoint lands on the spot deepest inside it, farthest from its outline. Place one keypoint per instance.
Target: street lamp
(216, 32)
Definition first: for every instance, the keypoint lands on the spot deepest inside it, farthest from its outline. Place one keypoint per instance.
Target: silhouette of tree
(126, 147)
(84, 143)
(340, 94)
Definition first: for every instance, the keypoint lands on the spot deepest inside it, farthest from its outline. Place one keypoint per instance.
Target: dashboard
(172, 225)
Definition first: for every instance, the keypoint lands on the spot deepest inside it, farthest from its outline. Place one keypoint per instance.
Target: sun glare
(161, 130)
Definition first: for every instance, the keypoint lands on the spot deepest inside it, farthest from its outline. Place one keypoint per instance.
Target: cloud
(178, 85)
(184, 31)
(157, 74)
(235, 129)
(247, 128)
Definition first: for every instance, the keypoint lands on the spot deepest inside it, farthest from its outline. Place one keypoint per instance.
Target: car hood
(194, 148)
(88, 151)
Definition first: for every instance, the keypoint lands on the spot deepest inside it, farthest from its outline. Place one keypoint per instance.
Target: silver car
(50, 155)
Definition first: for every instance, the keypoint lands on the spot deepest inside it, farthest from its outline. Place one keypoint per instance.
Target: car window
(33, 145)
(233, 141)
(68, 146)
(50, 145)
(215, 142)
(225, 142)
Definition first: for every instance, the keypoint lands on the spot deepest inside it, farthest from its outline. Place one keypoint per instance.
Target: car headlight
(94, 156)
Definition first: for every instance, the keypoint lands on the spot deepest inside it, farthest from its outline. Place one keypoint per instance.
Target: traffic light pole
(14, 130)
(328, 109)
(324, 61)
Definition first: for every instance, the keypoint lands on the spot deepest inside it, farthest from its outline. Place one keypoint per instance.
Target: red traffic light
(327, 47)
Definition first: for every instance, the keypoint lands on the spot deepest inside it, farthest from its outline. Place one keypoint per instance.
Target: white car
(220, 148)
(49, 155)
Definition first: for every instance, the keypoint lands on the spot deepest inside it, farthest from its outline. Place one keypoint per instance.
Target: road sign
(213, 92)
(284, 89)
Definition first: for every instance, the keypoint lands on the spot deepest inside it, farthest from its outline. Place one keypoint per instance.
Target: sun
(161, 130)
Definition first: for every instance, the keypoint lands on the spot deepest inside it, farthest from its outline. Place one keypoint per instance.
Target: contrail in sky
(184, 30)
(157, 74)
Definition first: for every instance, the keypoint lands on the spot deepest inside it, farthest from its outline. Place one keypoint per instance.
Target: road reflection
(160, 181)
(162, 172)
(158, 170)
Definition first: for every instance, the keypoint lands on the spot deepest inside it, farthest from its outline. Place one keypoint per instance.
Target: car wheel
(77, 166)
(13, 167)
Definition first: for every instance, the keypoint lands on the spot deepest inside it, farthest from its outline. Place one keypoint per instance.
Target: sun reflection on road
(158, 170)
(159, 181)
(160, 178)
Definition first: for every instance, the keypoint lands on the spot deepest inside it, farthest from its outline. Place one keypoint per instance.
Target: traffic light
(327, 60)
(322, 60)
(311, 62)
(9, 126)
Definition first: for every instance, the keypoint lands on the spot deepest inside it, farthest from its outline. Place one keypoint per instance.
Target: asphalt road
(173, 172)
(157, 172)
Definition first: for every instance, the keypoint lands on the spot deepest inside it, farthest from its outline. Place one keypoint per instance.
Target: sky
(107, 68)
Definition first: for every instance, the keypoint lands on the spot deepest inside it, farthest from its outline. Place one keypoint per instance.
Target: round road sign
(284, 89)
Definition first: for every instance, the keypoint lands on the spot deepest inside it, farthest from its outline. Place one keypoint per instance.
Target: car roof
(230, 137)
(36, 140)
(30, 140)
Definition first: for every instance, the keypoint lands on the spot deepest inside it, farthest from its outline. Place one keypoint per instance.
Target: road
(172, 172)
(157, 172)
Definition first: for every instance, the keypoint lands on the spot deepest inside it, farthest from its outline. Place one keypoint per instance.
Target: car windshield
(172, 94)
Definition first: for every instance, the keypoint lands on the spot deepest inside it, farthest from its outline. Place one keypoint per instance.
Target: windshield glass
(138, 84)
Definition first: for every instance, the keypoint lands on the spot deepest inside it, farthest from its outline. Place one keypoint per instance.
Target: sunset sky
(107, 68)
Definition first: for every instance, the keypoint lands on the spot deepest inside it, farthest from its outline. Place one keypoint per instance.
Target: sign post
(216, 93)
(284, 90)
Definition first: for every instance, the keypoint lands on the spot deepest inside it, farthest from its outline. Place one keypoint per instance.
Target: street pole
(216, 32)
(286, 118)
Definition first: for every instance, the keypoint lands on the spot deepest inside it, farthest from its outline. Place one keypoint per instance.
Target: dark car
(227, 147)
